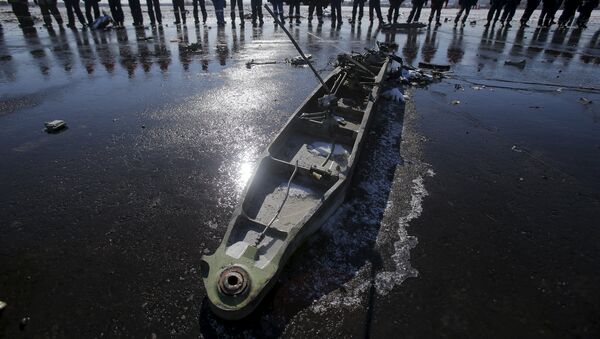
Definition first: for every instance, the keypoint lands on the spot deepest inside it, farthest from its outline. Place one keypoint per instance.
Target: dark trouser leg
(70, 16)
(77, 11)
(361, 10)
(232, 7)
(439, 14)
(157, 11)
(467, 11)
(490, 14)
(531, 6)
(418, 15)
(413, 11)
(543, 15)
(396, 13)
(354, 7)
(151, 12)
(460, 12)
(96, 9)
(498, 12)
(21, 11)
(56, 14)
(505, 14)
(46, 15)
(254, 8)
(88, 11)
(511, 13)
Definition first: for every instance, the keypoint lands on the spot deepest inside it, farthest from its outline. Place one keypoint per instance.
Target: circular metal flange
(234, 281)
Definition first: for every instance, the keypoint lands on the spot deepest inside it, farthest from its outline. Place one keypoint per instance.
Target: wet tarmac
(475, 219)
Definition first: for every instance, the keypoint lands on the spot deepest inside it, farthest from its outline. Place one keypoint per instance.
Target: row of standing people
(502, 10)
(547, 15)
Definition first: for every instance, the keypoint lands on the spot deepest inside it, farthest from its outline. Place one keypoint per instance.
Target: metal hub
(234, 281)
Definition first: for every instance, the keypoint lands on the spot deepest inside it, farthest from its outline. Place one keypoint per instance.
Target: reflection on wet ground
(103, 225)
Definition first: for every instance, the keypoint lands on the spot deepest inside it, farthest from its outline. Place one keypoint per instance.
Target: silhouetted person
(294, 5)
(240, 6)
(465, 6)
(49, 7)
(89, 6)
(315, 5)
(202, 4)
(357, 5)
(21, 10)
(415, 12)
(394, 11)
(568, 12)
(72, 10)
(179, 9)
(531, 6)
(219, 8)
(545, 15)
(136, 12)
(494, 12)
(509, 12)
(375, 5)
(278, 10)
(585, 11)
(336, 13)
(117, 12)
(552, 13)
(436, 9)
(154, 12)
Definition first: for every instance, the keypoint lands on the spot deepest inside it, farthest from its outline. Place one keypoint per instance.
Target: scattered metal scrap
(298, 60)
(519, 64)
(253, 62)
(437, 67)
(55, 126)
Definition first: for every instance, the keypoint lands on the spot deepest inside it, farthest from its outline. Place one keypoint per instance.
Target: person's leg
(182, 9)
(419, 8)
(96, 9)
(157, 11)
(361, 9)
(396, 12)
(438, 15)
(56, 13)
(150, 6)
(176, 12)
(460, 12)
(354, 8)
(253, 11)
(78, 12)
(241, 11)
(390, 10)
(490, 14)
(120, 14)
(232, 10)
(46, 15)
(467, 11)
(70, 15)
(88, 11)
(320, 13)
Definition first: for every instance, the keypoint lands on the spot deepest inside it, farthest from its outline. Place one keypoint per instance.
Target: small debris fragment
(516, 149)
(536, 107)
(521, 179)
(145, 38)
(143, 126)
(436, 67)
(2, 306)
(175, 40)
(519, 64)
(458, 87)
(473, 23)
(559, 89)
(298, 60)
(252, 62)
(478, 88)
(193, 47)
(585, 101)
(55, 126)
(24, 321)
(455, 102)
